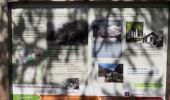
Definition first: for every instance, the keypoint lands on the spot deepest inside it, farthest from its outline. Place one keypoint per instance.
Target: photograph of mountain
(107, 38)
(107, 29)
(111, 72)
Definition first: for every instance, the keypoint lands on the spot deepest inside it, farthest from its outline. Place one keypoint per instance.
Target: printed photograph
(107, 39)
(108, 29)
(70, 33)
(71, 83)
(134, 32)
(110, 72)
(154, 39)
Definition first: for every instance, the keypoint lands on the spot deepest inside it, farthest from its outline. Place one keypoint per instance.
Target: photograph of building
(154, 39)
(134, 31)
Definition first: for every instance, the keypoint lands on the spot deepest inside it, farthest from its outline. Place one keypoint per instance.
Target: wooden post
(4, 51)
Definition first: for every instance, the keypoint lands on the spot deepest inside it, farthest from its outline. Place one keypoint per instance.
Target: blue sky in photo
(108, 66)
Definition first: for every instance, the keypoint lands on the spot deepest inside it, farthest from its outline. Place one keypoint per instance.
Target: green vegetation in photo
(134, 27)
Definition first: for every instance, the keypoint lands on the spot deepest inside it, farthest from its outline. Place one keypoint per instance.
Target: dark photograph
(71, 33)
(71, 83)
(111, 72)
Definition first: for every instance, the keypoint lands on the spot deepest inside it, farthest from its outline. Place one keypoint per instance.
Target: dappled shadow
(47, 47)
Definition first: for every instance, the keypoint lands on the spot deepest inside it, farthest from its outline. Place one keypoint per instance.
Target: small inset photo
(134, 32)
(154, 39)
(110, 72)
(71, 83)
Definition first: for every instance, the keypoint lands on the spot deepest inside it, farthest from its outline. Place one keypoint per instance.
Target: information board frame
(80, 5)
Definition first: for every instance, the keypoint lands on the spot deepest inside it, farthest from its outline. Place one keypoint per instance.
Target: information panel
(101, 52)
